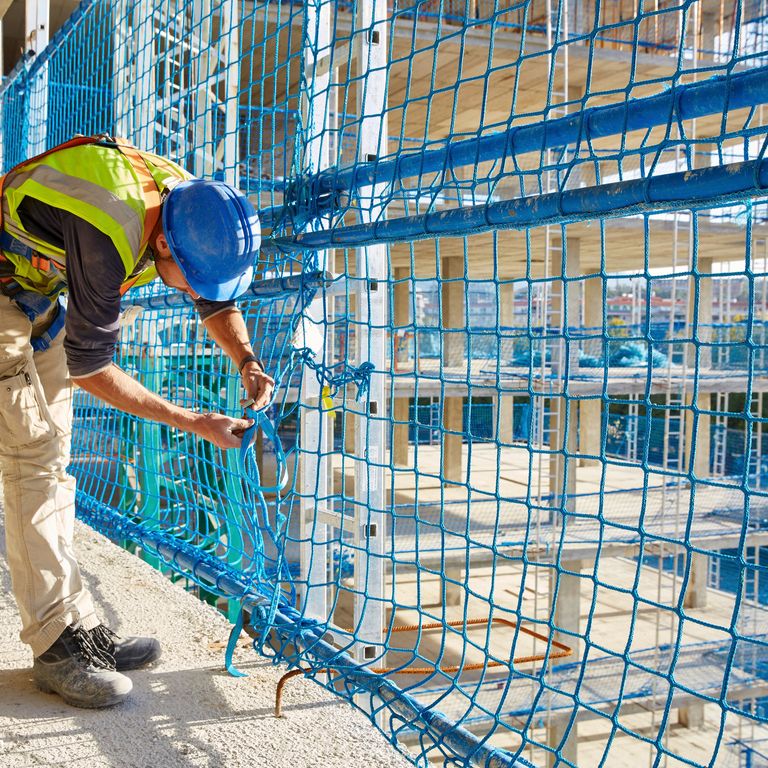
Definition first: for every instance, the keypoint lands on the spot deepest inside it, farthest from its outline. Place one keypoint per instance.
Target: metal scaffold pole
(37, 31)
(228, 150)
(373, 282)
(316, 425)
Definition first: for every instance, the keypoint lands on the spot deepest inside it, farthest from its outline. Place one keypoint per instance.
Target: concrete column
(566, 608)
(505, 403)
(453, 357)
(691, 715)
(591, 411)
(566, 614)
(454, 592)
(697, 427)
(578, 17)
(696, 593)
(564, 439)
(401, 318)
(701, 439)
(555, 734)
(710, 23)
(705, 334)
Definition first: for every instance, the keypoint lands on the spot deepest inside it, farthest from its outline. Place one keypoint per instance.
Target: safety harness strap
(33, 305)
(44, 340)
(152, 197)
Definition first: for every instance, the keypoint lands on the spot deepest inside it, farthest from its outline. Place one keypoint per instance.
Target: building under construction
(510, 499)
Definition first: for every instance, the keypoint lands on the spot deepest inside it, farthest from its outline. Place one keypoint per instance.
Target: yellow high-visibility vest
(109, 186)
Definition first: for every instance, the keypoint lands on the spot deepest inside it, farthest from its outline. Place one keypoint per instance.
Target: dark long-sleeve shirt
(95, 273)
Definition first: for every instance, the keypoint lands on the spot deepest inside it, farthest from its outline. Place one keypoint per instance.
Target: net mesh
(510, 497)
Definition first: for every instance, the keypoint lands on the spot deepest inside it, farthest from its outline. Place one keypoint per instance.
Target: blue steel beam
(265, 290)
(684, 102)
(700, 188)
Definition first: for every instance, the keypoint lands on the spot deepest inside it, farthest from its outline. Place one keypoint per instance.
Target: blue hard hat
(214, 235)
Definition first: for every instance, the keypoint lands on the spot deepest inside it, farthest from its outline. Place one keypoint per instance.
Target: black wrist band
(250, 359)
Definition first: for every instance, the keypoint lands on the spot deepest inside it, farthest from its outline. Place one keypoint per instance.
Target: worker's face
(168, 269)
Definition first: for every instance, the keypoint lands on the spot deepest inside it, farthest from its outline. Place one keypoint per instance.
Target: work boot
(127, 652)
(80, 672)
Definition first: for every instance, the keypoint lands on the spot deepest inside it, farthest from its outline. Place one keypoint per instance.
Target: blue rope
(335, 377)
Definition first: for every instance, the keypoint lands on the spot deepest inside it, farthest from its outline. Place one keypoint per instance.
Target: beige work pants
(39, 495)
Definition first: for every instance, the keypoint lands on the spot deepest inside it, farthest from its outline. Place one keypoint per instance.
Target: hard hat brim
(221, 291)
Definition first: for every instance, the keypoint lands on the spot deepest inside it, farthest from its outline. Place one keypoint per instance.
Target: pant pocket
(23, 417)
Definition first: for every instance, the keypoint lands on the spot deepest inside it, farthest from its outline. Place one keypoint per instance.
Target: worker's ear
(161, 246)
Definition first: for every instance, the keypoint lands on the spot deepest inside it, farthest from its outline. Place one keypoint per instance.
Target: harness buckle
(9, 287)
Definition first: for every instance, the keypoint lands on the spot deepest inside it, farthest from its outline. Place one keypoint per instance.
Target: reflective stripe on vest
(60, 189)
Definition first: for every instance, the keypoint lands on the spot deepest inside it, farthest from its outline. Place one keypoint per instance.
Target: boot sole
(84, 703)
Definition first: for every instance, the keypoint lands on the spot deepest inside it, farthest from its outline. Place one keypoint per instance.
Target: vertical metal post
(37, 29)
(121, 69)
(144, 106)
(316, 427)
(229, 43)
(372, 277)
(203, 71)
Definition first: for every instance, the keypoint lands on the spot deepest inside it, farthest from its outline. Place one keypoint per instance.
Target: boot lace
(91, 648)
(105, 638)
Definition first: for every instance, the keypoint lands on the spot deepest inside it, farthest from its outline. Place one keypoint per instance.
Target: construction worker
(91, 219)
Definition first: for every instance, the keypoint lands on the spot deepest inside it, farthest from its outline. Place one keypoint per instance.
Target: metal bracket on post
(306, 198)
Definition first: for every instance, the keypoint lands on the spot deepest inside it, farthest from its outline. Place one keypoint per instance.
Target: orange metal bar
(281, 684)
(562, 651)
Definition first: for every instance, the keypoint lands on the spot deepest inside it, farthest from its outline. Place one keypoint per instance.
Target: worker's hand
(221, 430)
(258, 386)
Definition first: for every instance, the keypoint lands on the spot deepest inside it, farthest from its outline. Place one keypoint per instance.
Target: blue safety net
(511, 497)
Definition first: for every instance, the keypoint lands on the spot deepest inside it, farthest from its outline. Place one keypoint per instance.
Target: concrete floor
(186, 711)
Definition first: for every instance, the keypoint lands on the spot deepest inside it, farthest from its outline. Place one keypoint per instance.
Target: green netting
(510, 498)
